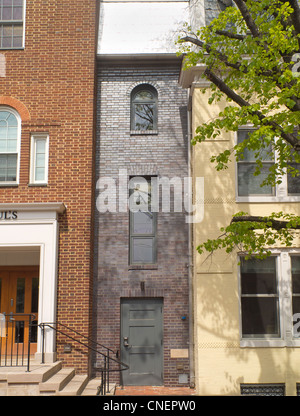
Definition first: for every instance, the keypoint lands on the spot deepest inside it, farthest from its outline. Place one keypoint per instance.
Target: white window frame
(34, 138)
(23, 34)
(284, 281)
(18, 151)
(281, 190)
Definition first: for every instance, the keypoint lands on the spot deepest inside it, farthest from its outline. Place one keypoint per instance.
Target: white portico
(29, 241)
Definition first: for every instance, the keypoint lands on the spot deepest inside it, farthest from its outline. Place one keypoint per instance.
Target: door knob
(125, 342)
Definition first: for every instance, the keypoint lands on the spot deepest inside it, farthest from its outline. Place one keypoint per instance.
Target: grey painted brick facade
(162, 154)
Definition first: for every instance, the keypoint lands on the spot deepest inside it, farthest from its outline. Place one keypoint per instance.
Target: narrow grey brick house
(142, 302)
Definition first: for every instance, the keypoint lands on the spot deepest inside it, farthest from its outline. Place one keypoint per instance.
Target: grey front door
(142, 341)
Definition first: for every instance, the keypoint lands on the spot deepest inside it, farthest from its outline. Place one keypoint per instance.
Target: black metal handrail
(107, 359)
(12, 348)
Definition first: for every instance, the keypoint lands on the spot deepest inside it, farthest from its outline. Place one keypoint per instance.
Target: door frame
(36, 227)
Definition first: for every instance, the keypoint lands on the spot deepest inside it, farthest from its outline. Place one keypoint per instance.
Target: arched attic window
(143, 108)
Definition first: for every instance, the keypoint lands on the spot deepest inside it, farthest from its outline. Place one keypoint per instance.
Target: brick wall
(164, 154)
(51, 84)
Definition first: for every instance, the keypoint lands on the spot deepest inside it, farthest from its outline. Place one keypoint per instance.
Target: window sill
(269, 343)
(8, 185)
(267, 199)
(19, 48)
(143, 267)
(143, 132)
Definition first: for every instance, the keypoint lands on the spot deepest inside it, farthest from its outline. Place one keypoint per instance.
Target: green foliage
(259, 70)
(252, 237)
(249, 60)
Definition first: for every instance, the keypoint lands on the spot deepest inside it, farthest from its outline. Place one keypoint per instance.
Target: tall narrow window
(293, 182)
(295, 261)
(144, 108)
(39, 159)
(142, 222)
(11, 24)
(10, 131)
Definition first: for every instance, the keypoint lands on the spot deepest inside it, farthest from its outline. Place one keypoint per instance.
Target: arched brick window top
(17, 105)
(143, 108)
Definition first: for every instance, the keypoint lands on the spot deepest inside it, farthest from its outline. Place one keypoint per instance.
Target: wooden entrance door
(19, 288)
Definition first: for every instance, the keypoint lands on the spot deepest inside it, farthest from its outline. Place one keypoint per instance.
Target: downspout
(190, 249)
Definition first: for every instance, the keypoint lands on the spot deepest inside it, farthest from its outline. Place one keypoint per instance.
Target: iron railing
(106, 354)
(18, 332)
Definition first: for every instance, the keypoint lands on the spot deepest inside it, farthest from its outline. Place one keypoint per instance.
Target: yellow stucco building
(245, 339)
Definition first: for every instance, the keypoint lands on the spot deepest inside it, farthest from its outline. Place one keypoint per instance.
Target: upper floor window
(142, 248)
(248, 183)
(144, 108)
(11, 24)
(39, 159)
(249, 187)
(10, 132)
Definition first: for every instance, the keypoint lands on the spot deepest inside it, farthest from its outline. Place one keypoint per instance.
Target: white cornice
(194, 74)
(58, 207)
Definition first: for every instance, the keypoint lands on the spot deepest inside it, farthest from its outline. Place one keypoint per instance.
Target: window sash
(293, 183)
(248, 187)
(295, 287)
(10, 132)
(8, 168)
(143, 116)
(143, 109)
(142, 223)
(260, 311)
(143, 250)
(12, 24)
(39, 159)
(249, 184)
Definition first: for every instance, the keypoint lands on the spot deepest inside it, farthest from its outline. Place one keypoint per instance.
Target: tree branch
(238, 65)
(295, 15)
(223, 87)
(275, 224)
(247, 17)
(230, 35)
(208, 49)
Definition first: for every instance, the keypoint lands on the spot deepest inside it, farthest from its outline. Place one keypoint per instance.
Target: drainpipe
(190, 251)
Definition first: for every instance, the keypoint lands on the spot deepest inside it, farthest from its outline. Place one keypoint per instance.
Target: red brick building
(47, 68)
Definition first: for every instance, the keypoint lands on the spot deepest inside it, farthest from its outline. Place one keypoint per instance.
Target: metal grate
(262, 389)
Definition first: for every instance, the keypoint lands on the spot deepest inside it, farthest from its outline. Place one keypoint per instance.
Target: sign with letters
(8, 215)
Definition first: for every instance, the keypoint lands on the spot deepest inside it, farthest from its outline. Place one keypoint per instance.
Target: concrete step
(57, 382)
(16, 381)
(38, 373)
(75, 386)
(92, 387)
(47, 380)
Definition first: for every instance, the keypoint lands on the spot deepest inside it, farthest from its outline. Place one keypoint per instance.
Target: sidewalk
(154, 391)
